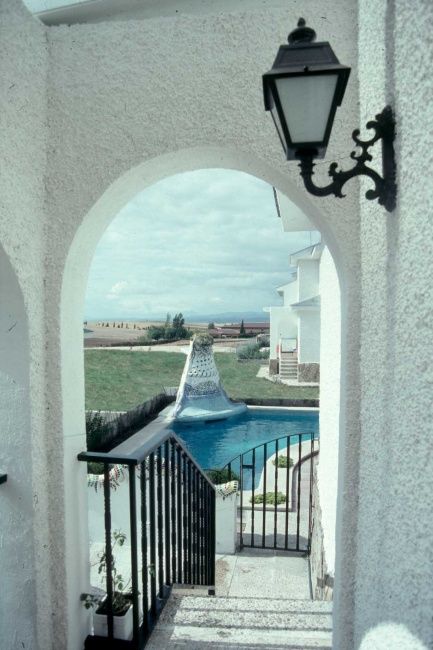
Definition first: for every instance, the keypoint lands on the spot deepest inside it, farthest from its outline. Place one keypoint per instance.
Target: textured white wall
(330, 361)
(128, 104)
(395, 528)
(131, 103)
(25, 543)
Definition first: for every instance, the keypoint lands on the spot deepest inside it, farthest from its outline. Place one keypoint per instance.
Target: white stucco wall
(308, 335)
(25, 538)
(395, 529)
(131, 103)
(290, 292)
(283, 323)
(330, 361)
(308, 279)
(122, 118)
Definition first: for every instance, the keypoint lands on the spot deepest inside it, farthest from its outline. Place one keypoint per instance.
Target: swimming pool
(214, 444)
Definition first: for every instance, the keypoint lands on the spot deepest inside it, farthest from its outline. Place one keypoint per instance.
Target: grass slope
(119, 379)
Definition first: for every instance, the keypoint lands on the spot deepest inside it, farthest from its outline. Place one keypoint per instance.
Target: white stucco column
(330, 362)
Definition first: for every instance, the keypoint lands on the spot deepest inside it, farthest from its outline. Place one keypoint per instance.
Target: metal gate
(275, 493)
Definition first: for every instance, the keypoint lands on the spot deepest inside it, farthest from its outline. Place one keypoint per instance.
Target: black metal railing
(171, 505)
(275, 493)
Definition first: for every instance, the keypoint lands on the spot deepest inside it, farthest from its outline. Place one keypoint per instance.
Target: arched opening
(74, 287)
(16, 494)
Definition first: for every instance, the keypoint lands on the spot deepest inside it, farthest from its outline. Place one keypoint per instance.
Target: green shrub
(219, 476)
(270, 499)
(203, 339)
(156, 333)
(95, 468)
(282, 461)
(252, 351)
(97, 430)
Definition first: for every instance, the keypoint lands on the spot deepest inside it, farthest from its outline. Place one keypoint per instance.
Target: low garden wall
(282, 401)
(309, 372)
(322, 582)
(116, 427)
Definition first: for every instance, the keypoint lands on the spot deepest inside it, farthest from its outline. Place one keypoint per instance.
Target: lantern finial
(302, 34)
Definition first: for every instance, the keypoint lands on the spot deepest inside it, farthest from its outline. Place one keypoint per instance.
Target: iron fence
(171, 507)
(275, 493)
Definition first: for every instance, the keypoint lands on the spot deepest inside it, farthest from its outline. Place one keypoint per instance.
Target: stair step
(222, 639)
(185, 636)
(236, 622)
(236, 603)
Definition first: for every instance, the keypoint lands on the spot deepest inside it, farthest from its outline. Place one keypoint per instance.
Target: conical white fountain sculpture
(200, 395)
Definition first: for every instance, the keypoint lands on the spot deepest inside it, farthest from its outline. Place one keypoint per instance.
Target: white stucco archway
(74, 284)
(17, 495)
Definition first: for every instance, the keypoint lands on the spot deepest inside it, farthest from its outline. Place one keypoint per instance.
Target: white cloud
(116, 290)
(197, 241)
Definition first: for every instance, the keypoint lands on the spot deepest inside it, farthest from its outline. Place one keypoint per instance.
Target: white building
(92, 113)
(295, 326)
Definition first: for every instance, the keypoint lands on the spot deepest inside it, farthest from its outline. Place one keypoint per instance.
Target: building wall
(308, 279)
(308, 336)
(330, 360)
(283, 323)
(290, 293)
(113, 117)
(394, 551)
(121, 119)
(25, 542)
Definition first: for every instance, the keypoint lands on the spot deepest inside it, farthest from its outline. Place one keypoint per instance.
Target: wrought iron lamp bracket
(385, 188)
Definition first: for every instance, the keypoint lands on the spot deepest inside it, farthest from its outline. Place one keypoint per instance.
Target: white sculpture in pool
(200, 395)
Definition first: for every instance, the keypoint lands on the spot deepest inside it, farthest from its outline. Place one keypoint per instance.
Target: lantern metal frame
(302, 57)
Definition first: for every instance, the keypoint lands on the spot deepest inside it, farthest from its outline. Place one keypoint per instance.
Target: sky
(202, 242)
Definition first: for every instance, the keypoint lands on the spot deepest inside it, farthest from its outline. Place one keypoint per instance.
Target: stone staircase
(225, 623)
(262, 601)
(288, 366)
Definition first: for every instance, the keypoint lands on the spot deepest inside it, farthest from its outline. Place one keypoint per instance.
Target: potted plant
(121, 600)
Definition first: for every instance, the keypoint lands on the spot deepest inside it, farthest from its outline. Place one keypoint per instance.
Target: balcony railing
(171, 532)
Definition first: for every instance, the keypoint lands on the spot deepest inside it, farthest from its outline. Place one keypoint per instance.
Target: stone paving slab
(266, 574)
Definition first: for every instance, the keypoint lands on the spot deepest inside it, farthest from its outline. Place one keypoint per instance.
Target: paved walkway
(257, 573)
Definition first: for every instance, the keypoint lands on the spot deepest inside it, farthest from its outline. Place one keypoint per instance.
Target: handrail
(135, 458)
(171, 504)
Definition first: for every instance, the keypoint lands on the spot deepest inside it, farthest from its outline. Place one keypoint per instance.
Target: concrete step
(235, 622)
(239, 604)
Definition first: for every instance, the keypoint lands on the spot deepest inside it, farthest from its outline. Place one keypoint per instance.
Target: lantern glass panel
(306, 102)
(278, 126)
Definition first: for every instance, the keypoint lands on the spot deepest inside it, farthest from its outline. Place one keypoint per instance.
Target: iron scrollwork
(385, 188)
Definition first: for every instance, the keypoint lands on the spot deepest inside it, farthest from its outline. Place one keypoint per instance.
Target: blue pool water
(214, 444)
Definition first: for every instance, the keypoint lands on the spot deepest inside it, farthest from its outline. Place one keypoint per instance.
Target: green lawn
(118, 379)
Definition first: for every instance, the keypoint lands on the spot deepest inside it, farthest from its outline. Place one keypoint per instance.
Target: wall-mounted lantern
(303, 90)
